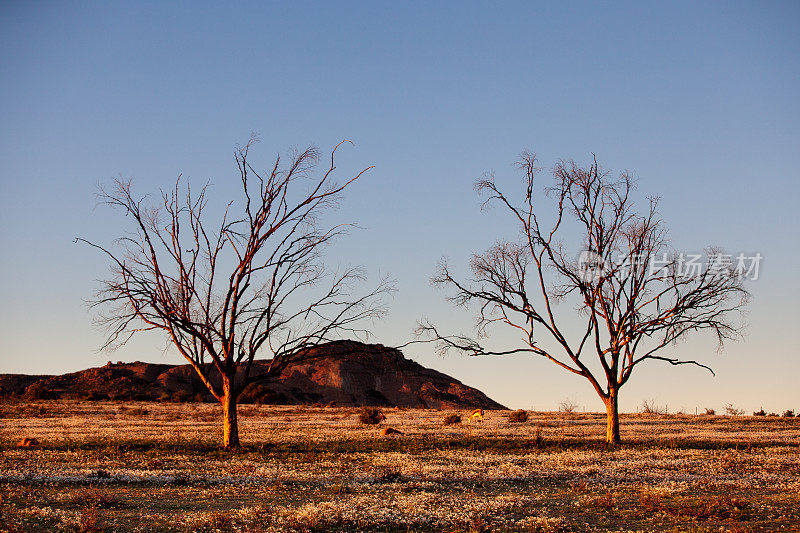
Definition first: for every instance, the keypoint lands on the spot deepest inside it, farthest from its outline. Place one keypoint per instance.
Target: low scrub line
(408, 444)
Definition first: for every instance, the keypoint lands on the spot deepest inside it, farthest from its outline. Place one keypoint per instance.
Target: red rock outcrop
(342, 373)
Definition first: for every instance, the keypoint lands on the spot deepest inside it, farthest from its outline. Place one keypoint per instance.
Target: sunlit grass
(105, 466)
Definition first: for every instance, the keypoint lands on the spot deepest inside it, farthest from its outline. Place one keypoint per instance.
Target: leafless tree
(634, 294)
(252, 283)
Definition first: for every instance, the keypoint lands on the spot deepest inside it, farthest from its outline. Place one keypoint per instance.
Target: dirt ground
(127, 466)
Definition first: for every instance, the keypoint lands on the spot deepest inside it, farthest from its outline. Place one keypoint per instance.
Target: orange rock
(390, 431)
(28, 442)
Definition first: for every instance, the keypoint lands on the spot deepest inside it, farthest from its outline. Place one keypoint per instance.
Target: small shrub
(788, 413)
(760, 413)
(604, 502)
(475, 524)
(181, 479)
(339, 487)
(580, 487)
(89, 522)
(649, 407)
(773, 414)
(101, 474)
(710, 411)
(220, 521)
(451, 419)
(37, 391)
(518, 416)
(567, 406)
(649, 503)
(733, 411)
(371, 416)
(390, 475)
(95, 396)
(39, 411)
(181, 396)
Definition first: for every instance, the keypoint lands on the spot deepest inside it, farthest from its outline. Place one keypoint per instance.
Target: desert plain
(149, 466)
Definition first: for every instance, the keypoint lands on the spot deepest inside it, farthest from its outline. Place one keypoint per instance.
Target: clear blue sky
(700, 100)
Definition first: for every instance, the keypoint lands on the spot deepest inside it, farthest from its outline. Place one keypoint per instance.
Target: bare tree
(252, 283)
(634, 294)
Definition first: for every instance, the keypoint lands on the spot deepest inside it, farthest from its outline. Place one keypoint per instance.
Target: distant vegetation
(518, 416)
(371, 416)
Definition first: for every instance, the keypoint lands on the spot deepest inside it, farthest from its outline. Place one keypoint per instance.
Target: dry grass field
(111, 466)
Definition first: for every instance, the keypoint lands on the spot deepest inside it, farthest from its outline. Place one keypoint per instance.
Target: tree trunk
(230, 424)
(612, 417)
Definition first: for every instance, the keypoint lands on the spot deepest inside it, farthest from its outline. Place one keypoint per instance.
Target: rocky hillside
(343, 373)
